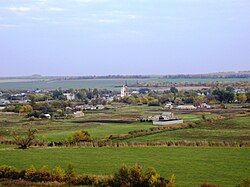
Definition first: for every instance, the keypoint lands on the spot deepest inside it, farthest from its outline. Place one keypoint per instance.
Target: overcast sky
(101, 37)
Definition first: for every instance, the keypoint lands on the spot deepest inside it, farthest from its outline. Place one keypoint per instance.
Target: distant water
(99, 83)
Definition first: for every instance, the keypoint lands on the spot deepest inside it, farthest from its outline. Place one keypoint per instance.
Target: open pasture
(191, 166)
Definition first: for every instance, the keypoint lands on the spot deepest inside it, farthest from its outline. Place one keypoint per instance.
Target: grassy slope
(236, 129)
(192, 166)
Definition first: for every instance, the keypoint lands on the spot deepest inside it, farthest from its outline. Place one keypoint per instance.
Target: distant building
(240, 91)
(135, 92)
(47, 116)
(100, 107)
(70, 96)
(78, 114)
(186, 107)
(168, 106)
(205, 105)
(166, 118)
(124, 91)
(4, 102)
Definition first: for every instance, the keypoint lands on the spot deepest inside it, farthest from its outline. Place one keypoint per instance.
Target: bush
(124, 177)
(244, 183)
(58, 174)
(209, 185)
(8, 172)
(79, 136)
(136, 177)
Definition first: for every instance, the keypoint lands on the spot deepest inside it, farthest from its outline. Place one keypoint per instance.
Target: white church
(124, 91)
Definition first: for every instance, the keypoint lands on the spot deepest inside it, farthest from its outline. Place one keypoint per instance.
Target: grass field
(192, 166)
(236, 129)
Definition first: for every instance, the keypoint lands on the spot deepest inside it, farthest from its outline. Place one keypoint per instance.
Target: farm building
(70, 96)
(186, 107)
(78, 114)
(166, 118)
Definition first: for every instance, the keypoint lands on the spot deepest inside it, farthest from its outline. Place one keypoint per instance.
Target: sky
(110, 37)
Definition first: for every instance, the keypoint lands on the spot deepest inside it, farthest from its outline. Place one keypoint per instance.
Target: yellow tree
(242, 98)
(25, 109)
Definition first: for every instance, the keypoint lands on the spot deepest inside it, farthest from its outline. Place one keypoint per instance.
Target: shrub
(244, 183)
(58, 174)
(79, 136)
(209, 185)
(8, 172)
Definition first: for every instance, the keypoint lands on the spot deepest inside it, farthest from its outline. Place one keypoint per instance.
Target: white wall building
(70, 96)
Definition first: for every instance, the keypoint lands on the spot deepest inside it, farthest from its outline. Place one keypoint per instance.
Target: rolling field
(45, 83)
(191, 166)
(236, 129)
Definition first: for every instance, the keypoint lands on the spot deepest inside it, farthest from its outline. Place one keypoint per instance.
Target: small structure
(78, 114)
(70, 96)
(168, 106)
(4, 102)
(124, 91)
(100, 107)
(205, 105)
(135, 92)
(47, 116)
(166, 118)
(186, 107)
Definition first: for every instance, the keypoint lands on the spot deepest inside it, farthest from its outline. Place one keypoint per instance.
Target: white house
(186, 107)
(205, 105)
(167, 118)
(168, 106)
(100, 107)
(78, 114)
(70, 96)
(48, 116)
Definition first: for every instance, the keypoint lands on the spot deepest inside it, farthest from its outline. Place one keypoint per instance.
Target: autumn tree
(25, 109)
(24, 141)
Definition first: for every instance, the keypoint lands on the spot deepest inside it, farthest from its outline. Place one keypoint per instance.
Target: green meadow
(191, 166)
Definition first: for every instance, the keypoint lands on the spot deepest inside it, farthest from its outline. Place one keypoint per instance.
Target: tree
(25, 109)
(174, 90)
(24, 142)
(242, 98)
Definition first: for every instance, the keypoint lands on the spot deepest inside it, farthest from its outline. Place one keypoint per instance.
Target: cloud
(2, 26)
(55, 9)
(18, 9)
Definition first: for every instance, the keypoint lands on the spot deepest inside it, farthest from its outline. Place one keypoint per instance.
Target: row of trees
(188, 97)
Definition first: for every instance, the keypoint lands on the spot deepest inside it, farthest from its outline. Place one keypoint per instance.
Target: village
(61, 104)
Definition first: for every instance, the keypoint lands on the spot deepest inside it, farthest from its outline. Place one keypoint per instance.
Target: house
(205, 105)
(70, 96)
(166, 118)
(240, 91)
(4, 102)
(48, 116)
(78, 114)
(135, 92)
(100, 107)
(168, 106)
(186, 107)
